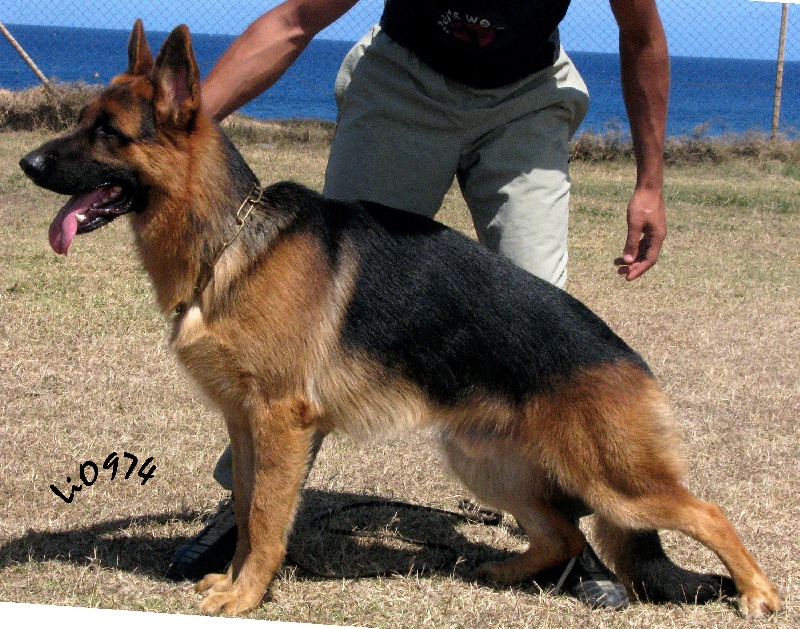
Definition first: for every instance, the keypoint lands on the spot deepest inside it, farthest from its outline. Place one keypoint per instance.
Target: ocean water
(718, 95)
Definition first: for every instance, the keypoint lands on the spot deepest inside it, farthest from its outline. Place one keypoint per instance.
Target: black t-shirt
(482, 43)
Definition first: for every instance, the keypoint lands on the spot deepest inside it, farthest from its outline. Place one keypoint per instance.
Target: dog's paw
(214, 583)
(760, 602)
(230, 603)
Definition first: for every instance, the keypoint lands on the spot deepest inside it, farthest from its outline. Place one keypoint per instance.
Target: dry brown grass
(271, 134)
(614, 144)
(52, 108)
(84, 371)
(57, 107)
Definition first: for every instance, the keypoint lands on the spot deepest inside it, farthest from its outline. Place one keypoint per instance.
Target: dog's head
(127, 140)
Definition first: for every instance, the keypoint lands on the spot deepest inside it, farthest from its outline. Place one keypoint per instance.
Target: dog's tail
(642, 565)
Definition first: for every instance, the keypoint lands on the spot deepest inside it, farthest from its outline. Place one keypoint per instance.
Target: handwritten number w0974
(89, 472)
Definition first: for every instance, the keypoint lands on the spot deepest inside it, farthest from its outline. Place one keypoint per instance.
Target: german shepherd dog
(297, 315)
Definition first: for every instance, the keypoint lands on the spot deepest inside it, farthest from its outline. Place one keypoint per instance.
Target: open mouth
(86, 212)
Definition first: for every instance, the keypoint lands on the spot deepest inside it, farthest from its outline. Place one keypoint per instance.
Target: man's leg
(514, 170)
(517, 188)
(396, 141)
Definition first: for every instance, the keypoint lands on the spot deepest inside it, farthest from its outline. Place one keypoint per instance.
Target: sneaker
(586, 578)
(211, 550)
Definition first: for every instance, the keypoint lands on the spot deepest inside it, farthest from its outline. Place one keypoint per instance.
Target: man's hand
(644, 64)
(647, 228)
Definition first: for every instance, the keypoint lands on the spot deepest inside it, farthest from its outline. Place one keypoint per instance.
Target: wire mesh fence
(723, 54)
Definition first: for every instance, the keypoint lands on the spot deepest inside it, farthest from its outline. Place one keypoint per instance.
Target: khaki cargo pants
(405, 132)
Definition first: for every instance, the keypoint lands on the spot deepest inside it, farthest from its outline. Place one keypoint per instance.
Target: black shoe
(211, 550)
(586, 578)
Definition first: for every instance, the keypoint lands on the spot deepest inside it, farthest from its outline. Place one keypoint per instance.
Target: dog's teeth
(81, 217)
(110, 196)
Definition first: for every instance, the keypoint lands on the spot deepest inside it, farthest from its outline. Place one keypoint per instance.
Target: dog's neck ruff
(252, 199)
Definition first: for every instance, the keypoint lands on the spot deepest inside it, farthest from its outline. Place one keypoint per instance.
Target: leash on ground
(469, 512)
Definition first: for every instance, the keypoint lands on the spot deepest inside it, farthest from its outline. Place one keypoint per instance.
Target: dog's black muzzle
(36, 165)
(62, 167)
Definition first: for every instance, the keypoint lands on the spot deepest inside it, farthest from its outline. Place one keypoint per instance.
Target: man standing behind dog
(474, 90)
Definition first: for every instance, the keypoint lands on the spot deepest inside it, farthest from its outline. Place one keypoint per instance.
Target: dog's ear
(177, 81)
(140, 59)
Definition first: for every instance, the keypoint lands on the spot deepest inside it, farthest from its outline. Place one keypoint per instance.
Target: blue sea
(722, 95)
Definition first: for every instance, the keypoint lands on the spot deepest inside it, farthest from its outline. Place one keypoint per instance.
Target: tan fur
(167, 241)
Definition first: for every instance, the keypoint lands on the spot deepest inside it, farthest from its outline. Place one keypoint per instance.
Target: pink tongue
(65, 224)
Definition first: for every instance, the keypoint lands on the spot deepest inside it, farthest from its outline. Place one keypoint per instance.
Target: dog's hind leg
(607, 437)
(641, 562)
(501, 479)
(676, 509)
(271, 441)
(552, 539)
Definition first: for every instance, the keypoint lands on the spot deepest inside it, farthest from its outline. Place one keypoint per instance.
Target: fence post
(776, 106)
(15, 44)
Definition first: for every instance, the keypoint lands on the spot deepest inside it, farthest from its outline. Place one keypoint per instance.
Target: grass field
(85, 372)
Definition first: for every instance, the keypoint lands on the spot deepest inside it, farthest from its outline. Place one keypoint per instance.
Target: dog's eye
(105, 130)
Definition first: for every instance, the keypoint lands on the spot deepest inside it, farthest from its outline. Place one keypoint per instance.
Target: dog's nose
(34, 164)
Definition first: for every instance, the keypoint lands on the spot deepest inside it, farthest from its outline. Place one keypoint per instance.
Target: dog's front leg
(270, 444)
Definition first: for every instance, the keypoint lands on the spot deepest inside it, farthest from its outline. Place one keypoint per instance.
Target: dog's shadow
(339, 535)
(336, 535)
(124, 544)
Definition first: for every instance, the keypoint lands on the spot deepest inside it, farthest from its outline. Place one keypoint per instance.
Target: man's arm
(645, 85)
(260, 55)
